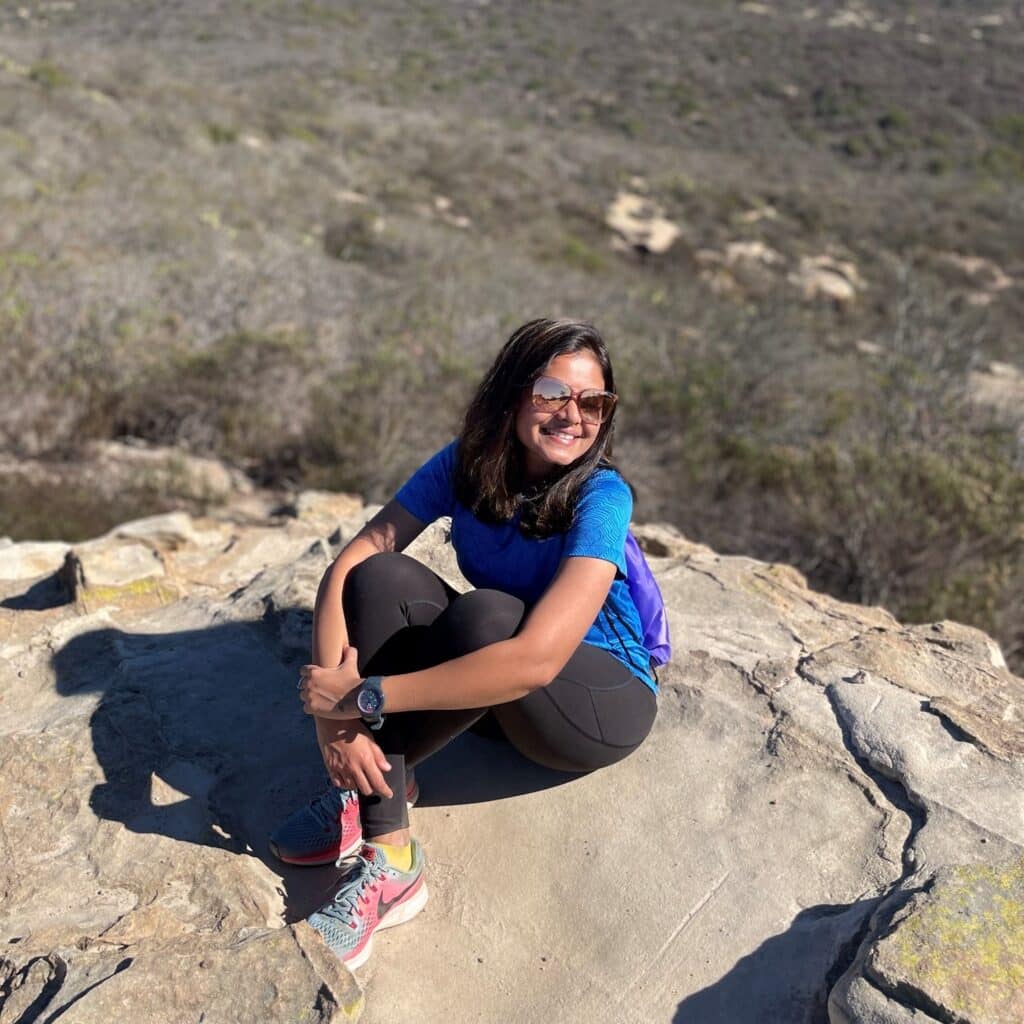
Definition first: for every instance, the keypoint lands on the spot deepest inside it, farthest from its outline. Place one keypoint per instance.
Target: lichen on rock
(959, 949)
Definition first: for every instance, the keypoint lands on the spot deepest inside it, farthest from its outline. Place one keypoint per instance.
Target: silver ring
(299, 684)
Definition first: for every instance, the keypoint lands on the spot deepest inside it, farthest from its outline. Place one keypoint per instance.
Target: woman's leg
(389, 601)
(593, 713)
(469, 622)
(402, 617)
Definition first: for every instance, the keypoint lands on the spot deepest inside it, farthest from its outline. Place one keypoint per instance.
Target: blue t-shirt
(499, 557)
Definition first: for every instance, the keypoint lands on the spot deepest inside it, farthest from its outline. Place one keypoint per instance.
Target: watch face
(369, 702)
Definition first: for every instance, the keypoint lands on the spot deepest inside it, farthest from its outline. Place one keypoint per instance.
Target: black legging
(402, 617)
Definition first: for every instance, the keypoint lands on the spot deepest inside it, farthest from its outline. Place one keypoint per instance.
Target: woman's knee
(390, 572)
(482, 617)
(385, 565)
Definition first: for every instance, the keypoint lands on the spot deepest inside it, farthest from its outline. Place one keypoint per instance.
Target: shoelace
(326, 807)
(353, 892)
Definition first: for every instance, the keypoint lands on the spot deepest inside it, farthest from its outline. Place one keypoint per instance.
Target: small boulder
(326, 510)
(171, 530)
(825, 278)
(744, 266)
(663, 540)
(31, 559)
(982, 276)
(641, 224)
(999, 388)
(167, 470)
(109, 571)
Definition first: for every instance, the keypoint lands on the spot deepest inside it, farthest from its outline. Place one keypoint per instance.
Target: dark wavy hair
(489, 476)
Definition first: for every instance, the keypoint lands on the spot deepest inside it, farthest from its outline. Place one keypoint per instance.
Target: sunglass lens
(596, 406)
(549, 394)
(592, 407)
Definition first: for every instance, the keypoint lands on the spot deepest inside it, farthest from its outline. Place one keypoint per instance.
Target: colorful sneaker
(372, 895)
(323, 831)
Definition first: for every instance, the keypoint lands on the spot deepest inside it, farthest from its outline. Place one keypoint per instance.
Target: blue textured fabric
(499, 557)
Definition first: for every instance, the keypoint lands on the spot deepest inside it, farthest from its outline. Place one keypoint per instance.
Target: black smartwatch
(370, 702)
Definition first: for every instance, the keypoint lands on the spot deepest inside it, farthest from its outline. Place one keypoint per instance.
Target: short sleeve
(601, 522)
(430, 492)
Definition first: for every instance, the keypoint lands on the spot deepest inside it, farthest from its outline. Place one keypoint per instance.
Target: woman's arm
(391, 529)
(510, 669)
(352, 759)
(493, 674)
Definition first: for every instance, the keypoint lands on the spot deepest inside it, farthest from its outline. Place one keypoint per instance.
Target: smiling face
(553, 439)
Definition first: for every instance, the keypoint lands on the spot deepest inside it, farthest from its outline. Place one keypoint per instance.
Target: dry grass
(293, 235)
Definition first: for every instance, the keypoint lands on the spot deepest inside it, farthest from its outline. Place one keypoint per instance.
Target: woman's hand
(352, 759)
(330, 692)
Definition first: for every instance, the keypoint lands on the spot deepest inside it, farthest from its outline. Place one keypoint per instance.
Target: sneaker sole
(317, 859)
(402, 914)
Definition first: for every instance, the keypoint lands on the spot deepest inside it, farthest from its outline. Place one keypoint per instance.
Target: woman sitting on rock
(550, 642)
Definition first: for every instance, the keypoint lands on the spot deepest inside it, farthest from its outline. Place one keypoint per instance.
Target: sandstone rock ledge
(819, 779)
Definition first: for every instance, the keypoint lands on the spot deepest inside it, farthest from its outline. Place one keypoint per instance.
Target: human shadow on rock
(201, 738)
(40, 596)
(789, 976)
(479, 766)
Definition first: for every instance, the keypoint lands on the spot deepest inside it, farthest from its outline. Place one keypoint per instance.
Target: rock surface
(829, 279)
(304, 982)
(745, 266)
(640, 223)
(959, 948)
(30, 559)
(952, 948)
(999, 387)
(111, 467)
(986, 278)
(771, 853)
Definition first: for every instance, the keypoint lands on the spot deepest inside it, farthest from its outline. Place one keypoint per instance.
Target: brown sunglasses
(550, 394)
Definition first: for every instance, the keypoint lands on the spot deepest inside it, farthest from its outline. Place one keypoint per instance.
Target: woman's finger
(360, 782)
(338, 772)
(376, 780)
(382, 762)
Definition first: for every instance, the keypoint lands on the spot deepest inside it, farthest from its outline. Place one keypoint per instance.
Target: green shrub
(373, 422)
(32, 511)
(240, 398)
(1009, 129)
(574, 252)
(48, 75)
(882, 489)
(221, 134)
(353, 235)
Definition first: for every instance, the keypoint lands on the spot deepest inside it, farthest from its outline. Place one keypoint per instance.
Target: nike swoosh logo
(383, 905)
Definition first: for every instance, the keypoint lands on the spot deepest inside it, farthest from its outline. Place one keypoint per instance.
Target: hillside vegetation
(293, 233)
